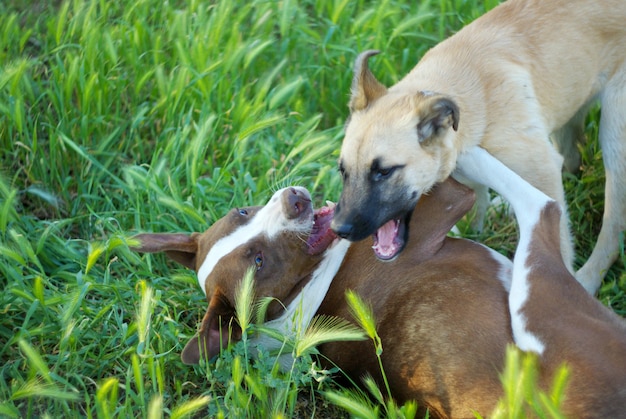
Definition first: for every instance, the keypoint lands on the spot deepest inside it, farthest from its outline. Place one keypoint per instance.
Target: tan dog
(441, 307)
(551, 314)
(526, 69)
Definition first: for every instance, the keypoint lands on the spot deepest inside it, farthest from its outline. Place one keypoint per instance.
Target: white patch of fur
(301, 310)
(269, 221)
(506, 268)
(520, 287)
(505, 272)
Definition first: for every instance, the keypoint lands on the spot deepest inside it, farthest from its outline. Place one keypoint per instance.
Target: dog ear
(365, 88)
(214, 333)
(435, 214)
(436, 114)
(202, 345)
(179, 247)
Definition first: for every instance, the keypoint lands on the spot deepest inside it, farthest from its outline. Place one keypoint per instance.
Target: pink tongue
(384, 244)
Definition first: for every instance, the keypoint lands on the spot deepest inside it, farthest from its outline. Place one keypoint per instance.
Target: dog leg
(544, 172)
(613, 142)
(478, 165)
(567, 138)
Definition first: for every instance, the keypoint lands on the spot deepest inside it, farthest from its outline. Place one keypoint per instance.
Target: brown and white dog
(551, 314)
(507, 81)
(441, 306)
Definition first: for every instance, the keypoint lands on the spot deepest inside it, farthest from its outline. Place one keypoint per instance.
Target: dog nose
(342, 230)
(297, 202)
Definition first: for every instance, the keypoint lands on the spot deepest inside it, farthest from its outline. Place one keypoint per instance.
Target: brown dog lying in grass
(441, 307)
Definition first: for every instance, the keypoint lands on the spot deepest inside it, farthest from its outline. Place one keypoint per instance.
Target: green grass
(119, 117)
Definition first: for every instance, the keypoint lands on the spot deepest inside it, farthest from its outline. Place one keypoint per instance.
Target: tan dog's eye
(378, 172)
(258, 261)
(342, 171)
(382, 173)
(243, 212)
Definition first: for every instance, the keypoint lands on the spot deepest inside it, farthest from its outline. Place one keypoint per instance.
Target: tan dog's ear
(180, 247)
(365, 88)
(436, 114)
(217, 330)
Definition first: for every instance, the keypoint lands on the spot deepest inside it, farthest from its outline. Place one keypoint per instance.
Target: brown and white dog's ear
(435, 214)
(217, 330)
(179, 247)
(199, 346)
(436, 114)
(365, 88)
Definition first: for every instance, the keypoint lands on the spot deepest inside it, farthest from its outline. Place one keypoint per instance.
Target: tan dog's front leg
(567, 139)
(613, 142)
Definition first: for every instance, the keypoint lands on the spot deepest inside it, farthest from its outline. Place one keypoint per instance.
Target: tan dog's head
(282, 241)
(397, 145)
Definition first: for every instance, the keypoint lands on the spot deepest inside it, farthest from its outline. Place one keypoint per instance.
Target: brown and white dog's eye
(243, 211)
(258, 261)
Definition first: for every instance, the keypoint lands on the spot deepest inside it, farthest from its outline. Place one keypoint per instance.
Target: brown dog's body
(551, 314)
(510, 79)
(441, 307)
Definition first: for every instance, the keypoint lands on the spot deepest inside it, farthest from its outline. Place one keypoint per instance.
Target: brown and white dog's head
(397, 145)
(283, 242)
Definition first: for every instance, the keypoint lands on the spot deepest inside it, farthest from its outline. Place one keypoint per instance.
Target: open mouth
(321, 235)
(390, 239)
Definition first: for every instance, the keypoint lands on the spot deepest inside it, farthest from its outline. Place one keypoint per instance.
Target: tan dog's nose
(295, 202)
(342, 230)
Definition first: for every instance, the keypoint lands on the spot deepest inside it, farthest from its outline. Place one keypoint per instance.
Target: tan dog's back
(530, 38)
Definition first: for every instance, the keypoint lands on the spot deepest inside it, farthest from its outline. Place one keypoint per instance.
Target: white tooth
(331, 204)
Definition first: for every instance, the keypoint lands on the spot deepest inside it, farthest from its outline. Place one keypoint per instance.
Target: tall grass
(117, 117)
